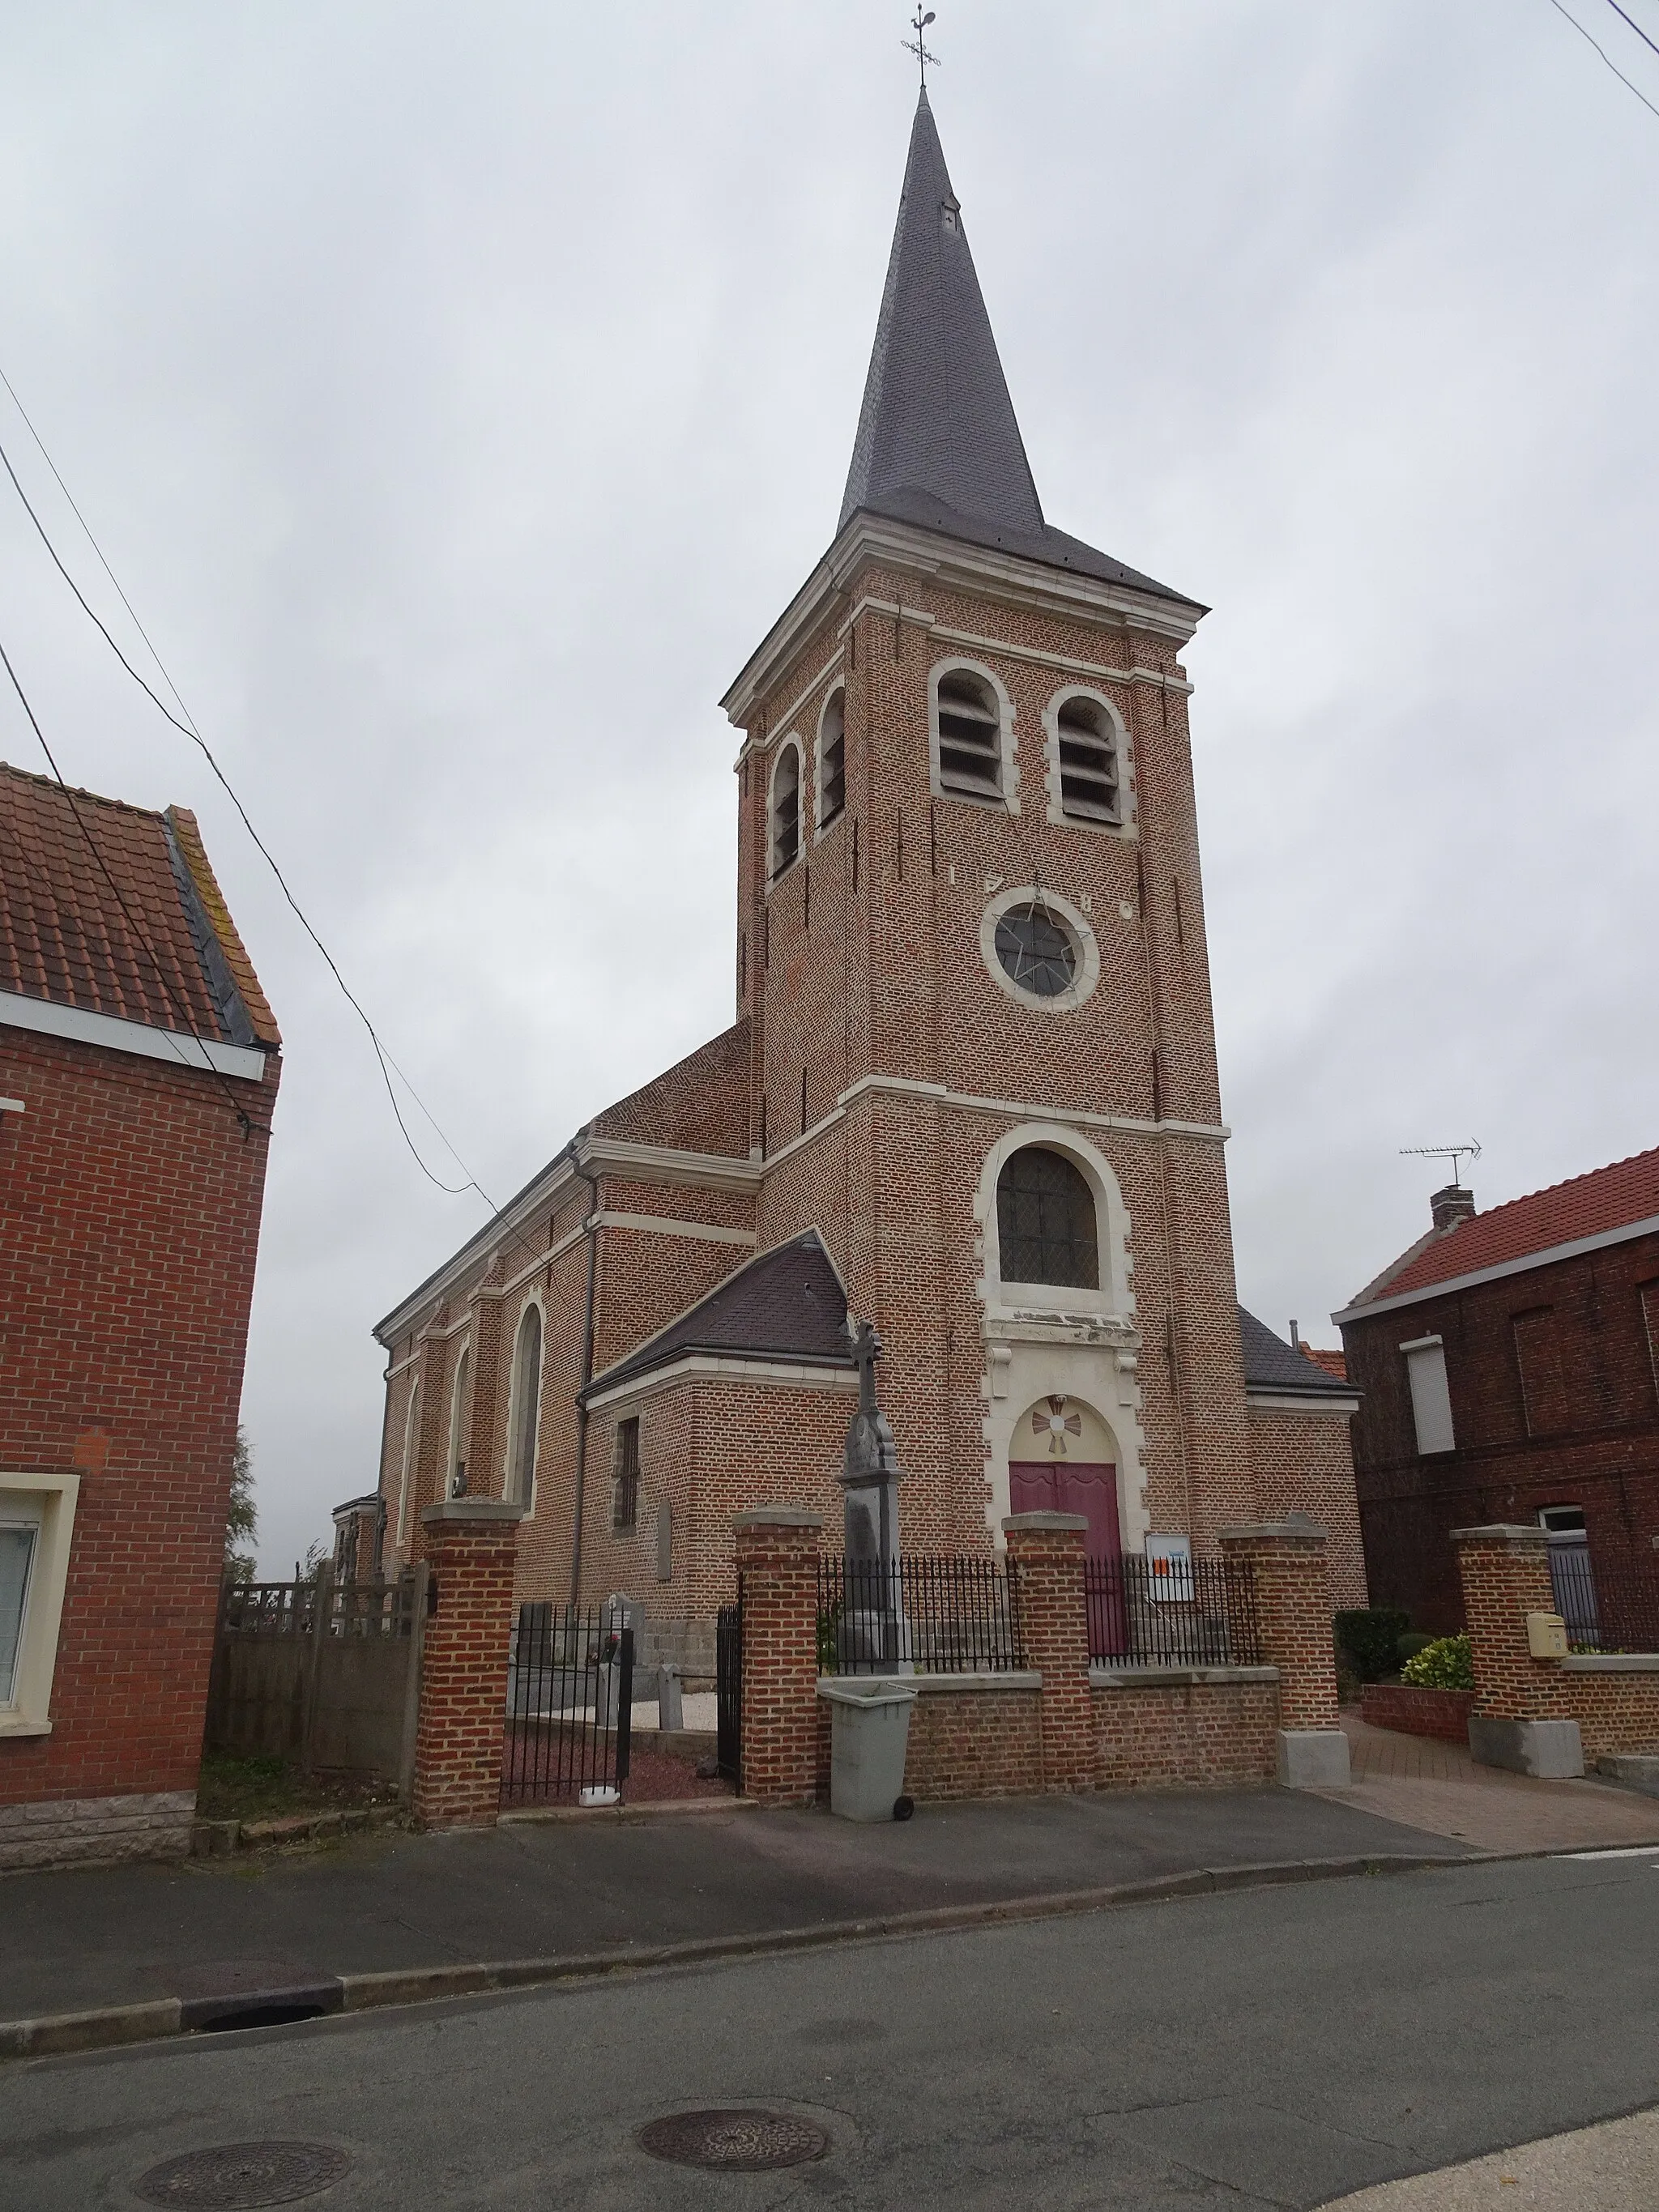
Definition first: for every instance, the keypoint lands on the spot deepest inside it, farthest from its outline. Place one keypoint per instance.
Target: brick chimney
(1452, 1205)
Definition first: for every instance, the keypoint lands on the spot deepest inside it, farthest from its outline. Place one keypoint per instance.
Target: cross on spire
(919, 23)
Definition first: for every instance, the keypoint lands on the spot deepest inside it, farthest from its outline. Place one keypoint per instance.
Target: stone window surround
(1088, 947)
(460, 1384)
(1008, 801)
(49, 1501)
(1124, 826)
(412, 1451)
(513, 1387)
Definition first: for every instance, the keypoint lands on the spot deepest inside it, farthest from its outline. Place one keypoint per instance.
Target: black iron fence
(569, 1706)
(940, 1616)
(728, 1691)
(1609, 1603)
(1172, 1613)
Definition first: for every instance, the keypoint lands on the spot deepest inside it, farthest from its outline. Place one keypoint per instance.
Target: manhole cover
(740, 2141)
(243, 2173)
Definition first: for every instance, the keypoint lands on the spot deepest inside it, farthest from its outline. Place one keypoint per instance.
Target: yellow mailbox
(1546, 1635)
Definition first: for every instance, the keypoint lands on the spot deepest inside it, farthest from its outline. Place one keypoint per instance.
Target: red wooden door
(1059, 1485)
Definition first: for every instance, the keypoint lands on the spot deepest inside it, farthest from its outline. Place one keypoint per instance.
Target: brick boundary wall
(471, 1544)
(1546, 1717)
(1045, 1565)
(1207, 1727)
(777, 1557)
(1410, 1710)
(1294, 1621)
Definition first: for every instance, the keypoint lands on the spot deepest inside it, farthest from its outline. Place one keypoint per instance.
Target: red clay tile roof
(1334, 1363)
(1588, 1206)
(64, 936)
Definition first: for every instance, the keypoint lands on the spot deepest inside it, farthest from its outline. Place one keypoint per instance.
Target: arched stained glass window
(1046, 1222)
(527, 1407)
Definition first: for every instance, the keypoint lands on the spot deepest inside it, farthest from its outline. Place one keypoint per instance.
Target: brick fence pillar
(471, 1546)
(777, 1556)
(1516, 1719)
(1293, 1613)
(1045, 1559)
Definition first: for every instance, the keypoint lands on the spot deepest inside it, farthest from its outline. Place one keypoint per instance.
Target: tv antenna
(1452, 1152)
(919, 23)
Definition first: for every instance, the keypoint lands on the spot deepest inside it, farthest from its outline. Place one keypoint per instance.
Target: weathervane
(1452, 1152)
(919, 23)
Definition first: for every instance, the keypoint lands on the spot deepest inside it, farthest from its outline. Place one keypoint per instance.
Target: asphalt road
(1276, 2047)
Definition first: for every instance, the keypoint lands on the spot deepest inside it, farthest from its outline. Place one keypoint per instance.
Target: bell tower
(971, 951)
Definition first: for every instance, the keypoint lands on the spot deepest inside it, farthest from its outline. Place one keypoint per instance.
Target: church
(969, 1093)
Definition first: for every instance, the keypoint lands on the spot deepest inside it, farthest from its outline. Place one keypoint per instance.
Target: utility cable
(182, 1013)
(1606, 57)
(187, 728)
(1634, 25)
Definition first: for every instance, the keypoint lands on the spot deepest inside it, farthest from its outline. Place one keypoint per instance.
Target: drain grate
(744, 2140)
(238, 2175)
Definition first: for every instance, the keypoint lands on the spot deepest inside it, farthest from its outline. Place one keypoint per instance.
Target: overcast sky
(460, 395)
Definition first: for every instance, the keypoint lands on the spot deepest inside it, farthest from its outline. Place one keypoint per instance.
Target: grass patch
(264, 1789)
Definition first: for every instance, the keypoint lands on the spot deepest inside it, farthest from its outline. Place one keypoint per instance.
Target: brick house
(138, 1069)
(970, 1090)
(1507, 1363)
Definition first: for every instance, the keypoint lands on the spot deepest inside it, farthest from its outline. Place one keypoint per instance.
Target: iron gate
(728, 1693)
(569, 1706)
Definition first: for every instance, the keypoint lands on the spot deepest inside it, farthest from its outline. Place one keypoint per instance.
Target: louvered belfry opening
(832, 762)
(969, 735)
(1088, 761)
(1045, 1229)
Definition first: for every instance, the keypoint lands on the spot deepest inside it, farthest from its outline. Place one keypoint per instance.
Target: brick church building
(969, 1093)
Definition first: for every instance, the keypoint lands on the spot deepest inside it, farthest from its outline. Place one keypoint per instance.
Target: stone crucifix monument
(873, 1635)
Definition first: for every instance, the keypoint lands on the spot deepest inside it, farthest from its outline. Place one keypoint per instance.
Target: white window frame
(411, 1453)
(45, 1503)
(1432, 1412)
(1008, 797)
(515, 1388)
(819, 825)
(774, 874)
(1125, 797)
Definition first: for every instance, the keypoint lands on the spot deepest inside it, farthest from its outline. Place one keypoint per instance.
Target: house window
(968, 735)
(1045, 1229)
(832, 761)
(785, 808)
(37, 1515)
(411, 1448)
(1086, 745)
(525, 1421)
(1425, 1370)
(625, 1503)
(456, 1484)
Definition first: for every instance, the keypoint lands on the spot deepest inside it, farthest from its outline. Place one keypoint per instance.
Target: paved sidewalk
(1436, 1787)
(124, 1934)
(1611, 2167)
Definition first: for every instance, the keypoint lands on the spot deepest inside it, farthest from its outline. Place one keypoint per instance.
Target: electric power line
(1634, 25)
(187, 728)
(249, 1125)
(1606, 57)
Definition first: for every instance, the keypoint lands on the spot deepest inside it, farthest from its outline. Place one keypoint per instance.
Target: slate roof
(938, 443)
(1606, 1199)
(1271, 1364)
(171, 960)
(786, 1304)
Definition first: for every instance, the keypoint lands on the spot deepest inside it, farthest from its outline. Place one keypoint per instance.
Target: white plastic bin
(870, 1732)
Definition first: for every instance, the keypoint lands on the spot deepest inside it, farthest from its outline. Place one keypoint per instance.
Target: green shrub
(1443, 1665)
(1366, 1637)
(1410, 1645)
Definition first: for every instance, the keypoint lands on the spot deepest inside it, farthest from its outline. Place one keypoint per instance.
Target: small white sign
(1170, 1568)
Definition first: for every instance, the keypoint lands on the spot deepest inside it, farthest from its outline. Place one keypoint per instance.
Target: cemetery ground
(1272, 2046)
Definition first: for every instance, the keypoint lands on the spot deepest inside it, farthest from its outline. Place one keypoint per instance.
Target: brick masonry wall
(1302, 1464)
(1505, 1575)
(1412, 1711)
(1210, 1734)
(130, 1207)
(777, 1551)
(462, 1720)
(1045, 1559)
(1598, 1448)
(977, 1743)
(1293, 1615)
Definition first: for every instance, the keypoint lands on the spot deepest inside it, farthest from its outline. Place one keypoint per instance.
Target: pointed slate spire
(938, 425)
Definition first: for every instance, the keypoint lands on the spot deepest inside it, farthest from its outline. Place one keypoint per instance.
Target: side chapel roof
(788, 1303)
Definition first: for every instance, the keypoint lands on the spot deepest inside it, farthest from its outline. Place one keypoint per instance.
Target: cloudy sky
(459, 396)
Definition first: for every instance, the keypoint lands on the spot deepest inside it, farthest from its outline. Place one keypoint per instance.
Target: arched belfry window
(1087, 745)
(1046, 1229)
(968, 731)
(526, 1398)
(785, 808)
(832, 760)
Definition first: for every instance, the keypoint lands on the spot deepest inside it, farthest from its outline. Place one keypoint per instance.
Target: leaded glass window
(1046, 1222)
(1036, 951)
